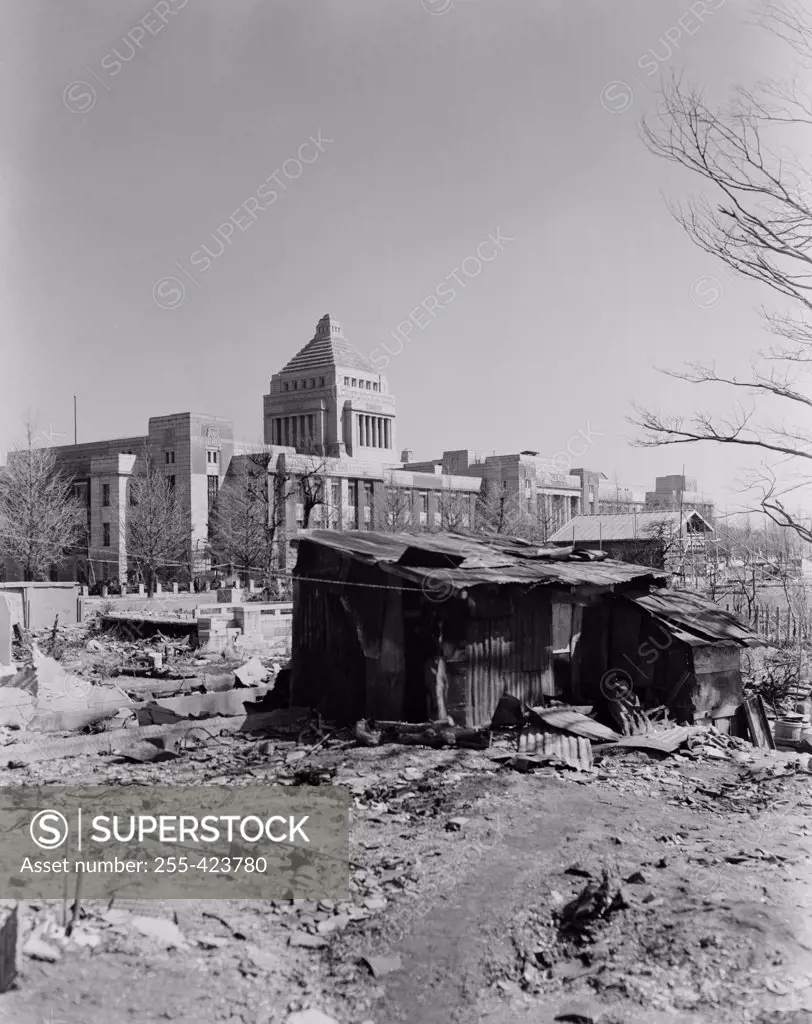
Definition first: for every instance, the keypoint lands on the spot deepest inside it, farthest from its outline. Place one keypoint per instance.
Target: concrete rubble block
(248, 619)
(251, 673)
(46, 698)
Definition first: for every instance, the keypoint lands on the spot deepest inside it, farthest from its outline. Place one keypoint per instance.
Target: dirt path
(471, 905)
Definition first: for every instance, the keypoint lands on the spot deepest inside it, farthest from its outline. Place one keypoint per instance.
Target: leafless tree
(248, 516)
(455, 510)
(498, 509)
(395, 511)
(40, 518)
(157, 527)
(756, 217)
(312, 486)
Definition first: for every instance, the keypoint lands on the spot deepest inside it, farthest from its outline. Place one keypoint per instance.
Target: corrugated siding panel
(328, 671)
(509, 654)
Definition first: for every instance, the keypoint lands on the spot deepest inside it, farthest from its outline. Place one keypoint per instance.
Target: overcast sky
(440, 124)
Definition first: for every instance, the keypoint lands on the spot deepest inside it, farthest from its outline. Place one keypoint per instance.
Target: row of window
(364, 385)
(294, 385)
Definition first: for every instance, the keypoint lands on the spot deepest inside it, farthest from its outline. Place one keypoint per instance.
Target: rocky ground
(652, 890)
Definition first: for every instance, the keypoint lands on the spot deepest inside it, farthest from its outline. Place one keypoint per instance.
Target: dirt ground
(461, 873)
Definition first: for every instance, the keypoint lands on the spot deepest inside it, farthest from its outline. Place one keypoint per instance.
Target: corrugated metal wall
(508, 653)
(328, 670)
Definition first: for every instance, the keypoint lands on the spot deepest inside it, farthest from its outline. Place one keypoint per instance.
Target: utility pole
(75, 428)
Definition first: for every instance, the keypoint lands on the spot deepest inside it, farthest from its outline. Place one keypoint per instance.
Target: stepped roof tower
(330, 400)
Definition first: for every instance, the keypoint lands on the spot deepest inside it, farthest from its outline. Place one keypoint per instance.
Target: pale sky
(441, 123)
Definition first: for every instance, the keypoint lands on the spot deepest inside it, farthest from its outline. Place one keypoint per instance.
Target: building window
(321, 382)
(369, 385)
(211, 493)
(296, 385)
(311, 426)
(171, 482)
(374, 387)
(169, 458)
(312, 382)
(211, 457)
(354, 382)
(287, 386)
(424, 503)
(105, 535)
(335, 493)
(105, 495)
(346, 382)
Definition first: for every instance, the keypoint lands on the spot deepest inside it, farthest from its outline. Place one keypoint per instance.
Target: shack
(665, 539)
(370, 610)
(678, 649)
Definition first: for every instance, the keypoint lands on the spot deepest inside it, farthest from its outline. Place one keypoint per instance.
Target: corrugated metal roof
(465, 562)
(696, 618)
(621, 526)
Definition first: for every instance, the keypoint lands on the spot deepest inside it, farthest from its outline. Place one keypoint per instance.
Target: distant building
(674, 541)
(543, 493)
(679, 492)
(328, 417)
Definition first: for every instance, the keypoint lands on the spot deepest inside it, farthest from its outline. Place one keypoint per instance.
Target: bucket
(788, 730)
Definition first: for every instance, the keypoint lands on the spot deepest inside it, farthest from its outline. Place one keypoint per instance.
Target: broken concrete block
(310, 1017)
(251, 673)
(381, 965)
(166, 933)
(64, 702)
(38, 949)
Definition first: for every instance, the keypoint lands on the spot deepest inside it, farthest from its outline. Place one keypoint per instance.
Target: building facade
(331, 460)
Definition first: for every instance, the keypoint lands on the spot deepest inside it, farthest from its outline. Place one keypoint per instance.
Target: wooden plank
(8, 947)
(107, 743)
(758, 724)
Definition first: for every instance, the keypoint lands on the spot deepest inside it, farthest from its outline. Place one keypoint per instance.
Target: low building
(523, 493)
(678, 542)
(371, 611)
(329, 427)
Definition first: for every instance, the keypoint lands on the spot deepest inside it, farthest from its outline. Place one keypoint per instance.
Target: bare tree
(248, 516)
(312, 486)
(395, 511)
(455, 510)
(497, 510)
(40, 518)
(157, 527)
(758, 222)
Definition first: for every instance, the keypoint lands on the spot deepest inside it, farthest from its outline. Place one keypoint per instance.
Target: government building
(331, 457)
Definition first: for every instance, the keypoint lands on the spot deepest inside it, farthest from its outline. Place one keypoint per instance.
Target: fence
(775, 623)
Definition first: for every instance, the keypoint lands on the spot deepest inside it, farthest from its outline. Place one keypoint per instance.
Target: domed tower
(330, 400)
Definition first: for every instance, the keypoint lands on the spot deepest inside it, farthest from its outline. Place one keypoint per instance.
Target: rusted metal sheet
(510, 654)
(697, 617)
(465, 562)
(568, 720)
(573, 750)
(666, 741)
